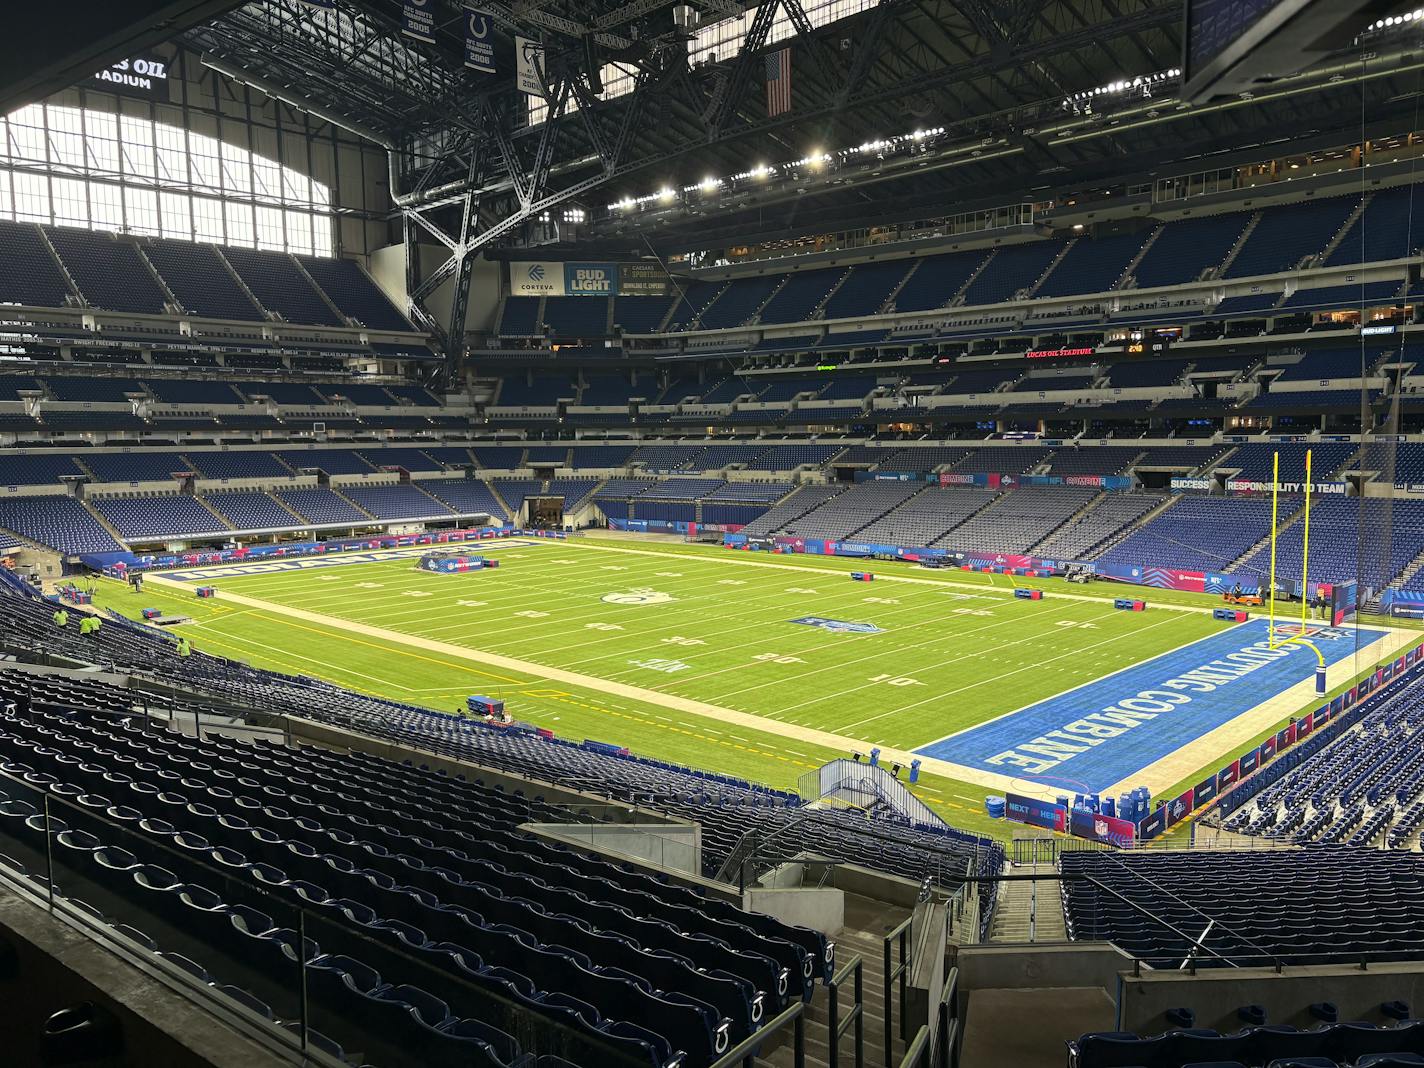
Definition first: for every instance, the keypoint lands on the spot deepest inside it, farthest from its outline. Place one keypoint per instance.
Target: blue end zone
(1105, 731)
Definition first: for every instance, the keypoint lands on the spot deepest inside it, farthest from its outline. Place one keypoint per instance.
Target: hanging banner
(479, 41)
(643, 280)
(418, 20)
(590, 279)
(536, 278)
(529, 66)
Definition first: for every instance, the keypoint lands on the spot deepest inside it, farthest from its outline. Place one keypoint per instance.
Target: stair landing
(1030, 1028)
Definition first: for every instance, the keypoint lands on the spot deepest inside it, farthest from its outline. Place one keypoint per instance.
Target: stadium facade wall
(203, 101)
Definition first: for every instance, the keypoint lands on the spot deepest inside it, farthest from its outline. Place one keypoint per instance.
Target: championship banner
(529, 66)
(418, 20)
(479, 41)
(644, 280)
(1035, 812)
(536, 278)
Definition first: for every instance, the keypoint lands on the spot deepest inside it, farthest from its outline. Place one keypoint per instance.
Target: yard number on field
(777, 658)
(897, 680)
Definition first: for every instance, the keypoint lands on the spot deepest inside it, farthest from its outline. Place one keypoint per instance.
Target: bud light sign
(590, 279)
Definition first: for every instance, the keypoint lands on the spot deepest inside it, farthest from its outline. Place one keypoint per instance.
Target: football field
(766, 665)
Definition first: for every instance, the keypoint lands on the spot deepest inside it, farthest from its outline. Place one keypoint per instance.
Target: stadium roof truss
(468, 167)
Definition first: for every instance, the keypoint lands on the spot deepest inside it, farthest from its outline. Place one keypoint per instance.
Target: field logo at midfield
(840, 626)
(639, 596)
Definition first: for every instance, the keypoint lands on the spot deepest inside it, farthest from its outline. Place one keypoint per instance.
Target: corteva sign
(536, 278)
(551, 278)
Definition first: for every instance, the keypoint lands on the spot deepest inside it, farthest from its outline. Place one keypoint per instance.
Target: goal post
(1300, 638)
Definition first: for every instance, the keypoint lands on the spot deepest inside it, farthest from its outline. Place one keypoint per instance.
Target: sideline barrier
(1240, 780)
(1127, 604)
(206, 591)
(1029, 595)
(862, 576)
(1230, 615)
(445, 564)
(117, 565)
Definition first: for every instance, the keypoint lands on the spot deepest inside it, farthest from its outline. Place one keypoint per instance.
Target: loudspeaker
(593, 64)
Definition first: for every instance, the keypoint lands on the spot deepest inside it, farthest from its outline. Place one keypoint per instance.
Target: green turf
(949, 657)
(967, 647)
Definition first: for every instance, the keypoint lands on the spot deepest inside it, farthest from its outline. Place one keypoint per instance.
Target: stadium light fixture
(817, 160)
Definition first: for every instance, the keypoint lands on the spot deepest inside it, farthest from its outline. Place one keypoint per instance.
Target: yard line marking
(342, 629)
(1003, 591)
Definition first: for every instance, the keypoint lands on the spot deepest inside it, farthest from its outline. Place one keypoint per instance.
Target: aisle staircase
(1029, 911)
(867, 924)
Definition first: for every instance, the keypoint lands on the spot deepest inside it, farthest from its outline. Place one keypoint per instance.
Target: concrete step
(1029, 911)
(872, 921)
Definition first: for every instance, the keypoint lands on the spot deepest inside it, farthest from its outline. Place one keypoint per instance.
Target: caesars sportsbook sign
(554, 278)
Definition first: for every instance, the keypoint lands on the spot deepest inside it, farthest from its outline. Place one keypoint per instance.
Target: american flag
(778, 82)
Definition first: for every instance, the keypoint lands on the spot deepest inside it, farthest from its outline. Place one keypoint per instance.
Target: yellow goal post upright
(1300, 638)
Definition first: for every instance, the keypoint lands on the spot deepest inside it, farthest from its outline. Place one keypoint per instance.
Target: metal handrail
(947, 1021)
(1196, 943)
(838, 1027)
(1188, 904)
(745, 1051)
(948, 1052)
(918, 1051)
(901, 972)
